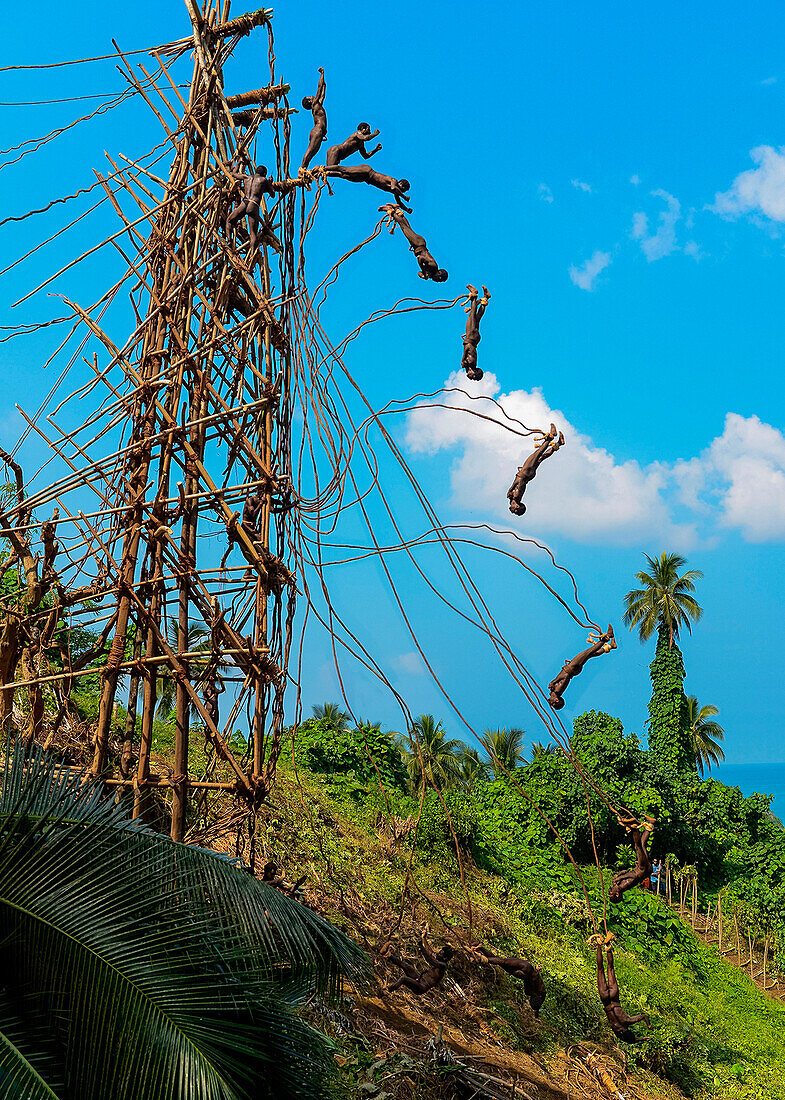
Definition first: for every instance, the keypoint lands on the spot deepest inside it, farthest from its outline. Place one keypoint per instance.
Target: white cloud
(635, 179)
(582, 491)
(640, 226)
(585, 275)
(740, 477)
(411, 664)
(758, 190)
(545, 192)
(769, 80)
(581, 186)
(692, 248)
(663, 241)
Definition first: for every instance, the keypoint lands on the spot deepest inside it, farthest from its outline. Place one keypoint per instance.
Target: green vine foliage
(669, 728)
(363, 756)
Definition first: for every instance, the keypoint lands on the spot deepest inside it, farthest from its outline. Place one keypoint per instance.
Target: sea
(756, 778)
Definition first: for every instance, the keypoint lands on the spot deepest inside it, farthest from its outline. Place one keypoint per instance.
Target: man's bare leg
(613, 985)
(235, 216)
(602, 984)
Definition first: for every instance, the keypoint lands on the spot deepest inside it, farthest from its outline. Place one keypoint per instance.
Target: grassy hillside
(715, 1034)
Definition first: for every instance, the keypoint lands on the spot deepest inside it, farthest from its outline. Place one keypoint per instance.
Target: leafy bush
(366, 754)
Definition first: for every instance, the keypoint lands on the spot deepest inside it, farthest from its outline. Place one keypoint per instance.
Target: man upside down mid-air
(475, 309)
(633, 876)
(602, 643)
(527, 472)
(608, 989)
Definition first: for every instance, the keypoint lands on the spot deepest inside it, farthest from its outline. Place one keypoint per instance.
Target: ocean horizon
(756, 779)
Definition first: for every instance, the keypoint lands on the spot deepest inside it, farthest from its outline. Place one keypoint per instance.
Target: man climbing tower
(363, 173)
(633, 876)
(429, 269)
(255, 185)
(421, 981)
(315, 104)
(527, 472)
(354, 144)
(530, 975)
(475, 309)
(602, 643)
(608, 990)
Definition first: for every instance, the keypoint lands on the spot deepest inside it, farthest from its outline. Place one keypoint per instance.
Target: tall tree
(504, 748)
(665, 602)
(431, 756)
(706, 734)
(664, 605)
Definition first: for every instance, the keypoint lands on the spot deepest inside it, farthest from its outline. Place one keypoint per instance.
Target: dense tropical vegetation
(215, 983)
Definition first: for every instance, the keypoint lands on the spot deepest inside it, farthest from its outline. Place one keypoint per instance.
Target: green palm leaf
(158, 969)
(664, 600)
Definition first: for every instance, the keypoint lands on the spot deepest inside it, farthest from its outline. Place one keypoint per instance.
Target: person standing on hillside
(654, 877)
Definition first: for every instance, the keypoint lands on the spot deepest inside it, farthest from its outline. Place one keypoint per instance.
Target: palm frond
(165, 964)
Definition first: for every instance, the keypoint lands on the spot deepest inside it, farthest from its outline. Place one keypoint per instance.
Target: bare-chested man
(315, 104)
(526, 473)
(608, 990)
(604, 644)
(363, 173)
(354, 144)
(530, 975)
(633, 876)
(429, 269)
(475, 309)
(255, 186)
(421, 981)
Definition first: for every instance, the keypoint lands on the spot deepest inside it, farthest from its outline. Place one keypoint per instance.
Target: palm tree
(665, 601)
(471, 767)
(162, 967)
(198, 641)
(539, 749)
(332, 715)
(504, 748)
(431, 757)
(706, 733)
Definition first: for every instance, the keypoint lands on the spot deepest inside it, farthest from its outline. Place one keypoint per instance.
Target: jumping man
(474, 310)
(429, 269)
(527, 472)
(604, 643)
(354, 144)
(315, 104)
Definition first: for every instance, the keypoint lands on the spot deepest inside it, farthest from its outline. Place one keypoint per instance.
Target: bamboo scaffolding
(191, 386)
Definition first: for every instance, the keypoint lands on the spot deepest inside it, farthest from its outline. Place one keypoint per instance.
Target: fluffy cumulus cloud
(740, 479)
(759, 190)
(586, 275)
(582, 491)
(580, 185)
(586, 493)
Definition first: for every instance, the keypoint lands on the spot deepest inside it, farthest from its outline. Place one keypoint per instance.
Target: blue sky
(614, 176)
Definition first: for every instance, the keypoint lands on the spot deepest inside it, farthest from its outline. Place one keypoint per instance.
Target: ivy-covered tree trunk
(669, 727)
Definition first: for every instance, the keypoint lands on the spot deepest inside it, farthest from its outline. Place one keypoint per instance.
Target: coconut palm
(162, 968)
(706, 733)
(471, 767)
(665, 602)
(539, 749)
(504, 748)
(197, 641)
(431, 757)
(332, 715)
